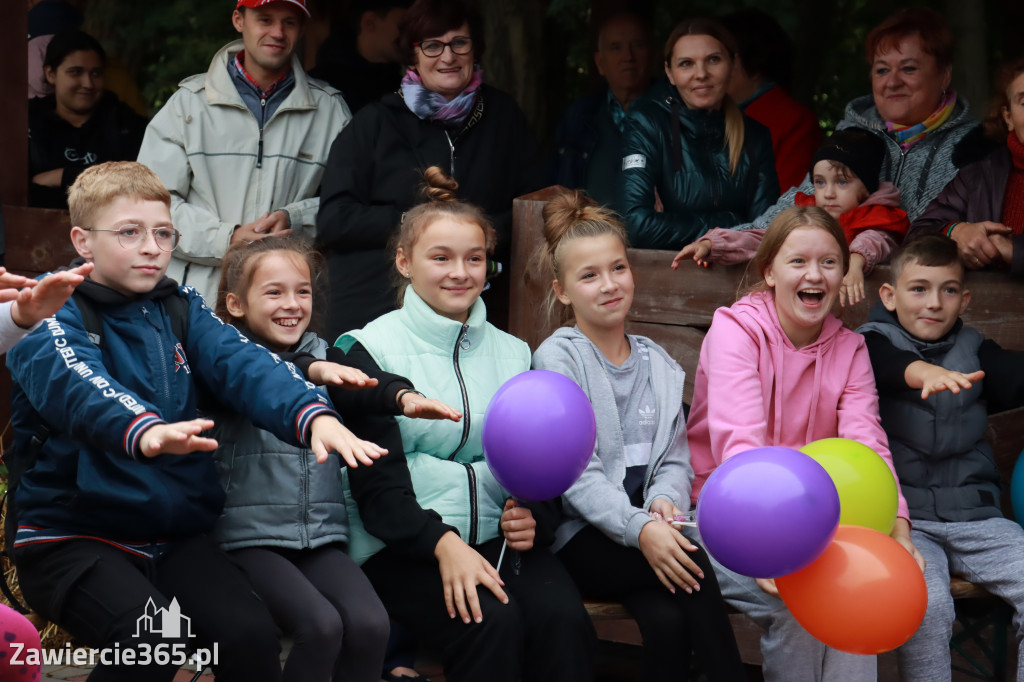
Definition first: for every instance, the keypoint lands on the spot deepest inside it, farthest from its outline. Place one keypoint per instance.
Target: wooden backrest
(675, 307)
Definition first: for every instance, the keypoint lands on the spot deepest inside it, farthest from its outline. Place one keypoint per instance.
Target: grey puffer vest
(277, 495)
(946, 469)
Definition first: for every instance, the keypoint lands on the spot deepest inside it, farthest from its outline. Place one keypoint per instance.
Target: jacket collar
(438, 330)
(220, 90)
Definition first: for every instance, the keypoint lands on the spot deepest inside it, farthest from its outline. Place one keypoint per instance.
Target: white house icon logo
(166, 622)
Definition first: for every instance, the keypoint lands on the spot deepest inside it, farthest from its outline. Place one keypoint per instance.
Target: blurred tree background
(540, 50)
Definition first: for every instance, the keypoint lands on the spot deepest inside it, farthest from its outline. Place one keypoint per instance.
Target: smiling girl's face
(447, 266)
(595, 279)
(805, 276)
(279, 301)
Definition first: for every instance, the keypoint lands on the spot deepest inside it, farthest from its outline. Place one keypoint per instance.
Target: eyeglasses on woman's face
(435, 48)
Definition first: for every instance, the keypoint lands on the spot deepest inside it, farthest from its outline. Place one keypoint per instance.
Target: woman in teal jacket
(688, 146)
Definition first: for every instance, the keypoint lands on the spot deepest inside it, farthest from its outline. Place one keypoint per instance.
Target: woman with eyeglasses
(443, 115)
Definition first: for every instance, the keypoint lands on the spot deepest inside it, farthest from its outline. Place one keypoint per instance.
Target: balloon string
(504, 544)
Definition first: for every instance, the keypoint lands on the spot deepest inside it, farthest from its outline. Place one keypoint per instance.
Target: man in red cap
(242, 147)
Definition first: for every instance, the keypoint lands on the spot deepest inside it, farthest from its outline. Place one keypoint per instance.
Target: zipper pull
(464, 341)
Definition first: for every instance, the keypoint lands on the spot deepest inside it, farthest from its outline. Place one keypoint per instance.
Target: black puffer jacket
(113, 133)
(695, 185)
(373, 176)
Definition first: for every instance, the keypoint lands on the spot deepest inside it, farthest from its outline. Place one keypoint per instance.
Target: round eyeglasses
(435, 48)
(131, 236)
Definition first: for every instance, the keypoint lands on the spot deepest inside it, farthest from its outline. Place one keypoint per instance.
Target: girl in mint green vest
(429, 519)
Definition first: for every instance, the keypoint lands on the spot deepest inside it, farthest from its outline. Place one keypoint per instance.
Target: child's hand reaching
(179, 438)
(933, 379)
(416, 406)
(518, 526)
(666, 549)
(323, 373)
(327, 433)
(11, 284)
(41, 299)
(852, 290)
(698, 251)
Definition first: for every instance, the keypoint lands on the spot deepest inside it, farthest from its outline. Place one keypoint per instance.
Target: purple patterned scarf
(433, 106)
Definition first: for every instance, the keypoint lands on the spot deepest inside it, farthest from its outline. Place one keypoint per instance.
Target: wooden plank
(682, 343)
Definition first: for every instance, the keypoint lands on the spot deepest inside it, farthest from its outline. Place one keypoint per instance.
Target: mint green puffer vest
(462, 365)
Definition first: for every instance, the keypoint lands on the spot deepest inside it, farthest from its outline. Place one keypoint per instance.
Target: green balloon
(867, 489)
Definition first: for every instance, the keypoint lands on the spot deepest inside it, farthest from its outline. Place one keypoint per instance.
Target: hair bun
(438, 186)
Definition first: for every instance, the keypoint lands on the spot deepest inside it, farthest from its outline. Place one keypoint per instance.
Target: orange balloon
(864, 595)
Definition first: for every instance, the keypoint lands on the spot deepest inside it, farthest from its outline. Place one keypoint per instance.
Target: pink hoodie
(753, 388)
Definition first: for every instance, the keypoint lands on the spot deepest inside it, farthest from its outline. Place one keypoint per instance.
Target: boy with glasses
(119, 492)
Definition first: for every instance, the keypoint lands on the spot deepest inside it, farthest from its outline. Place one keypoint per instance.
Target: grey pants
(790, 653)
(989, 553)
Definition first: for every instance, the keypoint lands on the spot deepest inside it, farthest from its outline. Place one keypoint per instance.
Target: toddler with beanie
(845, 172)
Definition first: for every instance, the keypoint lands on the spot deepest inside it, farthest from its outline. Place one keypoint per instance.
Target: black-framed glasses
(131, 236)
(435, 48)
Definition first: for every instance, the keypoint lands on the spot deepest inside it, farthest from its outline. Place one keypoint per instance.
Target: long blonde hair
(735, 131)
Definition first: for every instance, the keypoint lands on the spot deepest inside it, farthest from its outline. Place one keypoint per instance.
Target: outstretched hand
(933, 379)
(327, 433)
(44, 298)
(178, 438)
(324, 373)
(698, 251)
(852, 290)
(416, 406)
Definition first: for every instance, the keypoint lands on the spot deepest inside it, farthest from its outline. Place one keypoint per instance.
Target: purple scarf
(433, 106)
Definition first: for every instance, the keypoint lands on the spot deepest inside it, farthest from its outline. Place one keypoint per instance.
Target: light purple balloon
(768, 512)
(539, 433)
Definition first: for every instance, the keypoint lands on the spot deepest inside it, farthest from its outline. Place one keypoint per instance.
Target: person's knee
(251, 642)
(940, 613)
(369, 627)
(321, 627)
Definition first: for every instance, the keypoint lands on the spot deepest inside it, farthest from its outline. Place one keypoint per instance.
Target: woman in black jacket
(691, 147)
(80, 124)
(442, 116)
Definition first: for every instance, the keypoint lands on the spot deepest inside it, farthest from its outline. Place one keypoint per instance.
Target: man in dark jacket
(367, 65)
(588, 140)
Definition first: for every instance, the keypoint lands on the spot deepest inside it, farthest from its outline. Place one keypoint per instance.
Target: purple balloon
(768, 512)
(539, 433)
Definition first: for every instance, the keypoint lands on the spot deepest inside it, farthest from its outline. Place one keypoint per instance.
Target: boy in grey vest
(937, 382)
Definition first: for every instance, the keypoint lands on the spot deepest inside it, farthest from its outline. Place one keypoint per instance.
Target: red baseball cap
(301, 4)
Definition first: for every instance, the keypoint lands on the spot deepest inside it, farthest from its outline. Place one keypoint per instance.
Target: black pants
(671, 625)
(325, 603)
(98, 593)
(542, 635)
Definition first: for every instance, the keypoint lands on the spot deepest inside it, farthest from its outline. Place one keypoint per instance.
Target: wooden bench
(675, 309)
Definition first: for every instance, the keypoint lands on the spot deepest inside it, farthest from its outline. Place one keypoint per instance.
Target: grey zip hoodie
(598, 497)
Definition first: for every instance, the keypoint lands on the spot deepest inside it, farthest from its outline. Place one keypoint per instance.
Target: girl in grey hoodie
(619, 539)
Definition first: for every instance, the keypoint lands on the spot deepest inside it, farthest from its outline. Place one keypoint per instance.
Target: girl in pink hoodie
(778, 368)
